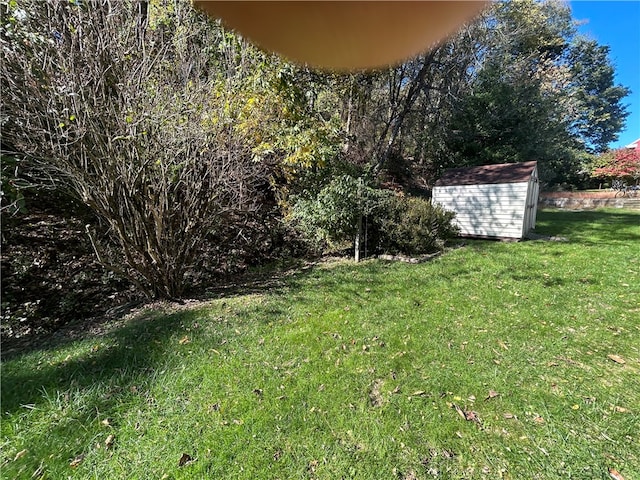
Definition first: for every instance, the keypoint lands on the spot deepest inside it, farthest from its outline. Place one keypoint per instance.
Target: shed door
(531, 207)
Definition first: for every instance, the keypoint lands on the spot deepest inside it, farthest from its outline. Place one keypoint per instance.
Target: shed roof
(488, 174)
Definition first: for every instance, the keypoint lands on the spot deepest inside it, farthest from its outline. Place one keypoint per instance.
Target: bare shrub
(134, 109)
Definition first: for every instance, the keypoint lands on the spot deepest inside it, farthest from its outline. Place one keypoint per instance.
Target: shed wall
(495, 210)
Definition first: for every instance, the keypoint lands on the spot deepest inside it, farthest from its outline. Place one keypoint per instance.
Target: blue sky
(617, 24)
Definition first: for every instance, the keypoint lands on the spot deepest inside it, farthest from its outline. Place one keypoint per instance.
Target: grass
(355, 371)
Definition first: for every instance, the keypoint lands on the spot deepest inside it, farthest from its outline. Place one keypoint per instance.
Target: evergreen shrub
(414, 225)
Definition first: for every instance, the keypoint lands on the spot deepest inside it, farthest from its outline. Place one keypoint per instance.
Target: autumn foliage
(623, 164)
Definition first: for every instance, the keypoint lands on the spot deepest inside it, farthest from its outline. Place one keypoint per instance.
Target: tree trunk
(395, 124)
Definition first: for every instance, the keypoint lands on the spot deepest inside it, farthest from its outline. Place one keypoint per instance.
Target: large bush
(333, 216)
(414, 225)
(142, 119)
(347, 207)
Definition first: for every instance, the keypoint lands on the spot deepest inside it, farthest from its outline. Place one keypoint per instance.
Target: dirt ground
(50, 277)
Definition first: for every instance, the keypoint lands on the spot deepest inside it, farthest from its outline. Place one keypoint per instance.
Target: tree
(138, 109)
(512, 111)
(500, 120)
(537, 92)
(599, 112)
(622, 164)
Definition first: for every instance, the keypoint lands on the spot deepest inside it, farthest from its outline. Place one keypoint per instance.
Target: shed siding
(492, 210)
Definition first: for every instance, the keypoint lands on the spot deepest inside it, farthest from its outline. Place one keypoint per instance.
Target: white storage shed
(497, 201)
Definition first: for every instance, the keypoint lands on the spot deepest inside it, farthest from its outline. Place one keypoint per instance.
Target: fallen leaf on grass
(411, 475)
(538, 419)
(617, 359)
(492, 394)
(468, 415)
(620, 409)
(311, 468)
(510, 416)
(185, 459)
(448, 454)
(108, 443)
(184, 340)
(459, 410)
(106, 422)
(20, 454)
(76, 461)
(613, 473)
(471, 416)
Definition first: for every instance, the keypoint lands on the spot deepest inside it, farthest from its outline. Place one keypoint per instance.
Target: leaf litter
(185, 459)
(375, 393)
(468, 415)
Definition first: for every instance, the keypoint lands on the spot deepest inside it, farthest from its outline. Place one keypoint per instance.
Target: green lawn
(492, 361)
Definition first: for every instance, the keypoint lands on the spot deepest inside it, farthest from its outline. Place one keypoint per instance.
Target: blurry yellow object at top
(347, 35)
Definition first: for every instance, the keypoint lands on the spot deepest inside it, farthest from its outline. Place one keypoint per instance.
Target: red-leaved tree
(623, 164)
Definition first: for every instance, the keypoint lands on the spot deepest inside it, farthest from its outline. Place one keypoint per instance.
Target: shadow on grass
(270, 279)
(138, 346)
(126, 352)
(133, 350)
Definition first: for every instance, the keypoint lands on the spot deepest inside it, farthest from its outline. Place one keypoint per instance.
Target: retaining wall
(586, 201)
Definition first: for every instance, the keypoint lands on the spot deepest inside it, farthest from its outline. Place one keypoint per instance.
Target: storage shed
(497, 201)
